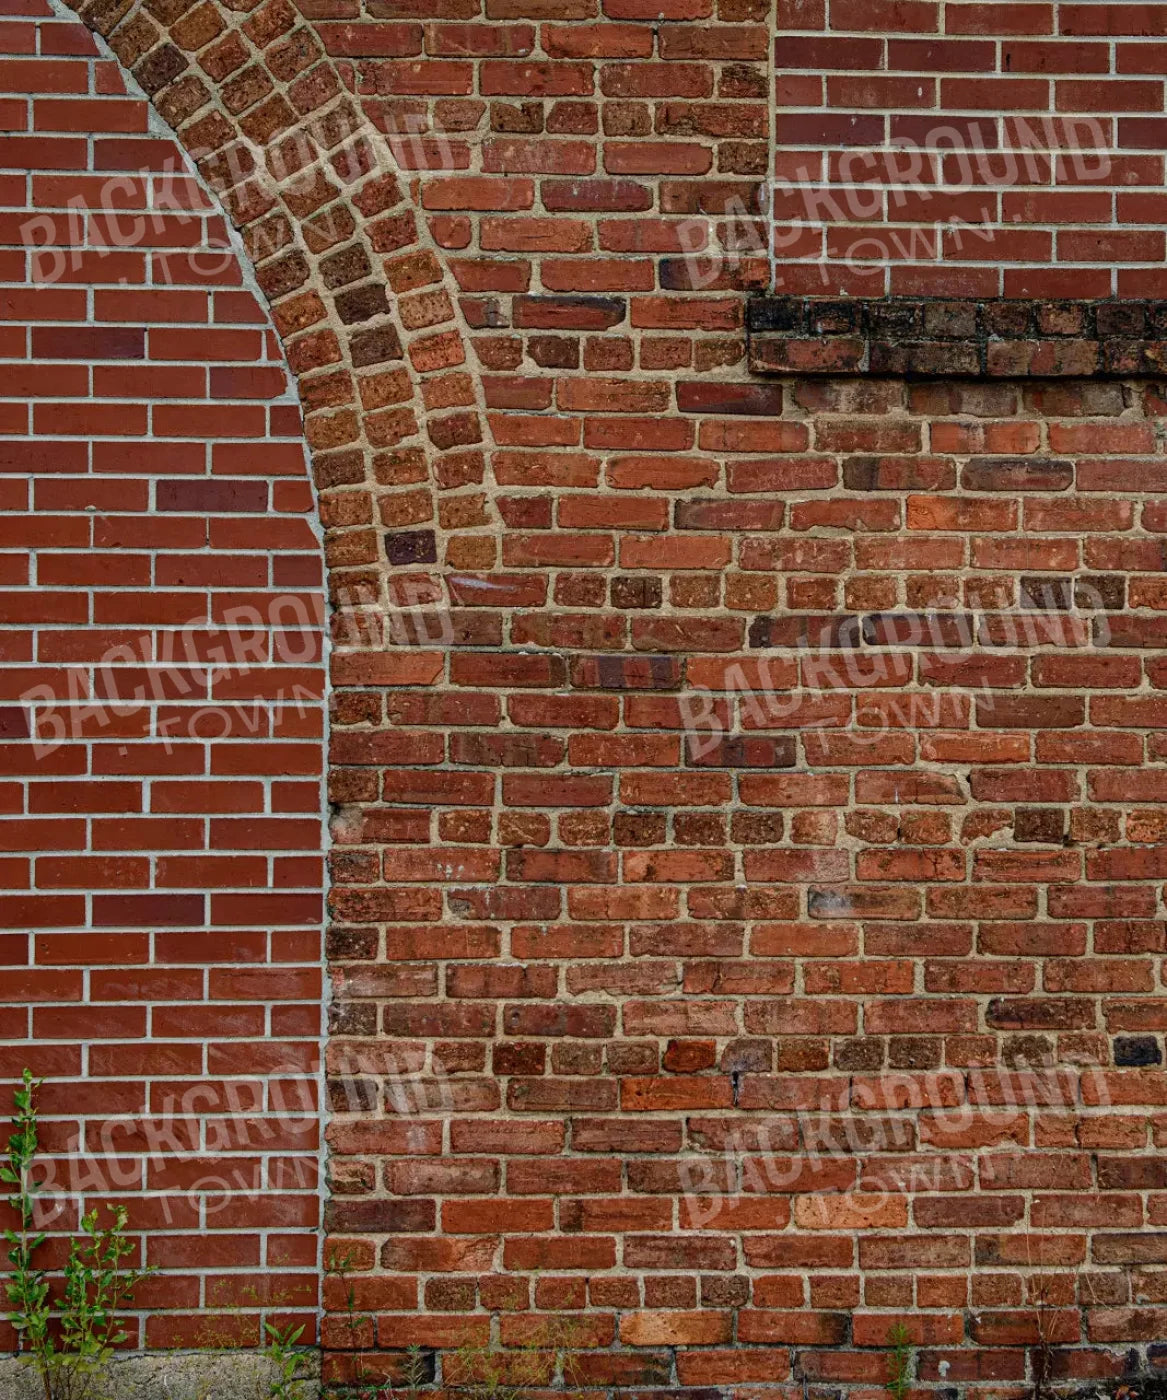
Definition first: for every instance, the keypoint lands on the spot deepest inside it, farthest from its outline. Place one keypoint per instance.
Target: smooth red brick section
(162, 722)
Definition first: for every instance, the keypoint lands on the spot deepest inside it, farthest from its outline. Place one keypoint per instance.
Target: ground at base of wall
(251, 1376)
(191, 1375)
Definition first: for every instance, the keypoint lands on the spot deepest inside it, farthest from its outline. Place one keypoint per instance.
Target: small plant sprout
(899, 1361)
(285, 1358)
(27, 1287)
(365, 1386)
(510, 1372)
(69, 1338)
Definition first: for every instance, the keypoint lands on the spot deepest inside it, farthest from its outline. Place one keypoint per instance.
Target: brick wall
(1029, 138)
(747, 869)
(850, 1019)
(162, 706)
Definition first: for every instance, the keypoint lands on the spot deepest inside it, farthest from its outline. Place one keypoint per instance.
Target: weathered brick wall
(855, 1017)
(747, 880)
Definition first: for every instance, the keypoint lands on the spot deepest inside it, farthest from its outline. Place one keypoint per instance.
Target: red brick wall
(854, 1019)
(162, 712)
(736, 1052)
(1030, 148)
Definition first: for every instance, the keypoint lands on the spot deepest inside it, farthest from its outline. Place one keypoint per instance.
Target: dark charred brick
(411, 547)
(352, 944)
(1009, 319)
(161, 67)
(776, 314)
(922, 337)
(1137, 1051)
(1044, 594)
(920, 629)
(375, 346)
(1040, 824)
(895, 319)
(1104, 591)
(834, 317)
(344, 266)
(362, 303)
(950, 320)
(1121, 319)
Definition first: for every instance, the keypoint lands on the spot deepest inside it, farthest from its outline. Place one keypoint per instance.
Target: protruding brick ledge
(1003, 339)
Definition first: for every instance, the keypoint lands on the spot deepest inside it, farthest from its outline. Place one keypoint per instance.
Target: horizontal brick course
(965, 339)
(744, 790)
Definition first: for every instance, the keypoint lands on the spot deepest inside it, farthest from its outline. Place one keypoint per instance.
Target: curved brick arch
(624, 949)
(367, 311)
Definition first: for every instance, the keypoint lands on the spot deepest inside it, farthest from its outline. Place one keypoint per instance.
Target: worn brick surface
(747, 866)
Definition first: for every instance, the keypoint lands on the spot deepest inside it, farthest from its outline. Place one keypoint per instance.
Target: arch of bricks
(358, 289)
(626, 950)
